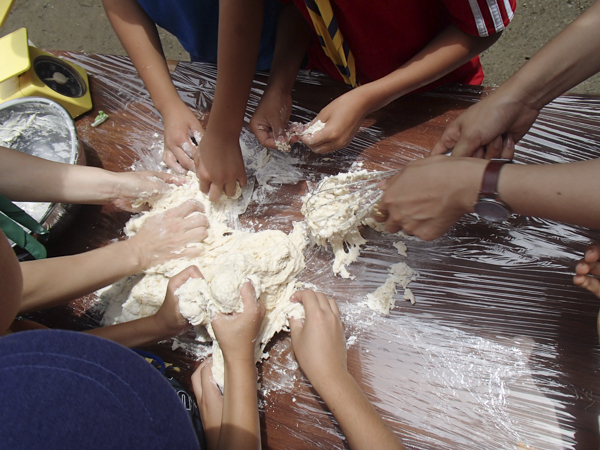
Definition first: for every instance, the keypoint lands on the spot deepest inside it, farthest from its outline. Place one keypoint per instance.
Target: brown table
(500, 347)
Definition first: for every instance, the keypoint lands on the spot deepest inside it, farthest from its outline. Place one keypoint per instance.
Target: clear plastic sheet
(500, 348)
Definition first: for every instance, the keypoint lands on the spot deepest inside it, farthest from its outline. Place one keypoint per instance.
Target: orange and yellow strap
(331, 39)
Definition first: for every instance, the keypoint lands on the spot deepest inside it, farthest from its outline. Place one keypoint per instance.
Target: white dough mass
(270, 259)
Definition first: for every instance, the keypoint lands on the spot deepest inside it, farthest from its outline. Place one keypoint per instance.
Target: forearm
(139, 37)
(54, 281)
(240, 427)
(568, 59)
(137, 333)
(554, 191)
(240, 24)
(448, 51)
(293, 38)
(28, 178)
(361, 424)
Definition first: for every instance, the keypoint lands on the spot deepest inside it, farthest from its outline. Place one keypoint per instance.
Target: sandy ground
(82, 26)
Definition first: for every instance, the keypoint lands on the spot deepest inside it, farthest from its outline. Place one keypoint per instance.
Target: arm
(11, 284)
(273, 112)
(567, 60)
(28, 178)
(138, 35)
(166, 323)
(320, 348)
(161, 238)
(430, 195)
(343, 117)
(218, 158)
(236, 334)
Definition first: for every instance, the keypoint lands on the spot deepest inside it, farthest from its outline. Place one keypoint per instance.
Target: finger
(594, 268)
(264, 135)
(582, 268)
(183, 158)
(248, 293)
(243, 180)
(186, 208)
(296, 327)
(194, 220)
(214, 194)
(508, 147)
(230, 188)
(380, 213)
(334, 307)
(479, 153)
(171, 161)
(323, 301)
(170, 178)
(494, 148)
(195, 235)
(592, 284)
(592, 252)
(204, 186)
(443, 146)
(308, 299)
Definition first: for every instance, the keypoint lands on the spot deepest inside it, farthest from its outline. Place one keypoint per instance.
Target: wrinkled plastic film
(500, 348)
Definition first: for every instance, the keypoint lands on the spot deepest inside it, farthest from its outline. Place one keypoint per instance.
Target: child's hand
(588, 269)
(166, 236)
(319, 342)
(134, 187)
(237, 332)
(181, 125)
(219, 164)
(271, 118)
(210, 403)
(169, 317)
(342, 117)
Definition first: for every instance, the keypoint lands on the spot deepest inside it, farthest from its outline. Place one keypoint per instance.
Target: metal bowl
(42, 128)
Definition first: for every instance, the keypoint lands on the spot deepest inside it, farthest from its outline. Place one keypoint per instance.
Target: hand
(237, 332)
(319, 342)
(342, 117)
(210, 403)
(429, 195)
(166, 236)
(219, 164)
(588, 269)
(181, 125)
(488, 129)
(271, 117)
(134, 189)
(169, 317)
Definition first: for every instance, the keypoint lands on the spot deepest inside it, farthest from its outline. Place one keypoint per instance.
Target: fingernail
(294, 299)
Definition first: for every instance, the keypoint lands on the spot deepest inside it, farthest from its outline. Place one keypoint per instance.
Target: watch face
(492, 210)
(59, 76)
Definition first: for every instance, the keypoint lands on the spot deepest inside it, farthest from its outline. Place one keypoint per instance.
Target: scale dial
(59, 76)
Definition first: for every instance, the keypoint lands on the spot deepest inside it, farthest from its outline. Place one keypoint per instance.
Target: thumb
(248, 293)
(296, 327)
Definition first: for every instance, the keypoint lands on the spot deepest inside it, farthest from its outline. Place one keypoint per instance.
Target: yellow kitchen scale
(28, 71)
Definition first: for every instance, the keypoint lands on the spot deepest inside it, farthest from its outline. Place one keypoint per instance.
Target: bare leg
(210, 403)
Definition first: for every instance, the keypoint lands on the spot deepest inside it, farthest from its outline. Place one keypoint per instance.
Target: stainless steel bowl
(43, 128)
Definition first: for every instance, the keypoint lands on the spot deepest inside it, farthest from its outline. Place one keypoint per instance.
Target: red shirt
(384, 34)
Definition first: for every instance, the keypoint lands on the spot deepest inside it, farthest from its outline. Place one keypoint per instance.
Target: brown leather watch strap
(489, 183)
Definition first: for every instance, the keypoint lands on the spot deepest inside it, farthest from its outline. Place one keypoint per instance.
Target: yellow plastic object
(15, 53)
(31, 72)
(5, 6)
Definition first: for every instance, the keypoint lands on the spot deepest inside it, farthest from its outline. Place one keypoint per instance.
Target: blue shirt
(195, 24)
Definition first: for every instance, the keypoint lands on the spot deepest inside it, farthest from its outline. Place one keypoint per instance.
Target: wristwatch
(489, 206)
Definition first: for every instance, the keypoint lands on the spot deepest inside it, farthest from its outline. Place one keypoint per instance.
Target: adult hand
(166, 236)
(271, 118)
(219, 165)
(429, 195)
(237, 332)
(319, 342)
(132, 190)
(181, 125)
(169, 317)
(489, 129)
(342, 118)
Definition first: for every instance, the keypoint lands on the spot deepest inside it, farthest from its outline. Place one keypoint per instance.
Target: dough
(382, 300)
(270, 259)
(334, 211)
